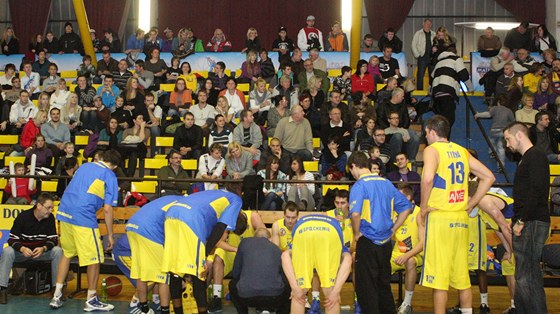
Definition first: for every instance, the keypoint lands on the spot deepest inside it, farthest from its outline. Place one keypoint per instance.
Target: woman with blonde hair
(336, 39)
(9, 43)
(239, 162)
(545, 98)
(71, 112)
(250, 69)
(252, 42)
(223, 108)
(317, 94)
(441, 42)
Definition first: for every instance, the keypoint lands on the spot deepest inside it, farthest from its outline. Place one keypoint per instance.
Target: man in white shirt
(30, 81)
(22, 110)
(309, 36)
(202, 111)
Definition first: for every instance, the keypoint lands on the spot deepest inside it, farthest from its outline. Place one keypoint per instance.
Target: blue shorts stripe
(425, 247)
(96, 245)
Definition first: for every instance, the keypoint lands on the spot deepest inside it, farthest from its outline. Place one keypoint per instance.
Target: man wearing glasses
(32, 237)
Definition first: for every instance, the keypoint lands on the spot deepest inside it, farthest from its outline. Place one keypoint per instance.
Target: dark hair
(9, 66)
(241, 224)
(439, 124)
(269, 175)
(70, 163)
(292, 206)
(221, 64)
(110, 76)
(43, 197)
(405, 189)
(53, 65)
(215, 146)
(244, 113)
(231, 78)
(545, 30)
(188, 113)
(297, 159)
(359, 159)
(342, 193)
(177, 81)
(140, 63)
(357, 97)
(190, 68)
(368, 36)
(516, 127)
(390, 30)
(345, 69)
(276, 99)
(539, 116)
(361, 62)
(112, 156)
(171, 152)
(524, 24)
(284, 64)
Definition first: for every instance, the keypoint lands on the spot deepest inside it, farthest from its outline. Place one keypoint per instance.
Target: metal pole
(356, 31)
(83, 25)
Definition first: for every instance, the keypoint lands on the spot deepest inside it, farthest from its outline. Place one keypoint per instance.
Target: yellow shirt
(406, 236)
(346, 226)
(285, 236)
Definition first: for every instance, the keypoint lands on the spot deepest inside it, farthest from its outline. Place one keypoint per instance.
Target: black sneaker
(510, 310)
(215, 305)
(484, 309)
(3, 296)
(454, 310)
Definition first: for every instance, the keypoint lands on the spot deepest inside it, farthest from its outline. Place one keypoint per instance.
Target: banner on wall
(9, 214)
(206, 61)
(481, 65)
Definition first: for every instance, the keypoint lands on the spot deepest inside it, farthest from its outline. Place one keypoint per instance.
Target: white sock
(155, 298)
(484, 298)
(58, 289)
(217, 290)
(512, 303)
(91, 293)
(134, 302)
(315, 295)
(408, 297)
(466, 311)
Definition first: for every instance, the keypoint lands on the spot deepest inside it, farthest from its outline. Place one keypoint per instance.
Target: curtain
(533, 11)
(29, 18)
(104, 14)
(235, 17)
(383, 14)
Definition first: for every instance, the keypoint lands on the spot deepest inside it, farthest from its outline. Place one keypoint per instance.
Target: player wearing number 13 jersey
(444, 206)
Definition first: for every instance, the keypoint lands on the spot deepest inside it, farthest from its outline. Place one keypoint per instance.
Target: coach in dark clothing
(258, 280)
(531, 220)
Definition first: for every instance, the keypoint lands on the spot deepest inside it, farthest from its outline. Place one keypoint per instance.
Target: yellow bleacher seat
(154, 163)
(334, 72)
(49, 186)
(380, 86)
(244, 87)
(189, 164)
(167, 87)
(236, 120)
(35, 102)
(238, 72)
(69, 74)
(311, 166)
(326, 187)
(71, 87)
(554, 170)
(164, 141)
(81, 140)
(15, 159)
(148, 187)
(96, 86)
(227, 72)
(3, 182)
(316, 142)
(9, 139)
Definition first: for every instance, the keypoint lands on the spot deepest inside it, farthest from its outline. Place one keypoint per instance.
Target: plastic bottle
(104, 291)
(340, 213)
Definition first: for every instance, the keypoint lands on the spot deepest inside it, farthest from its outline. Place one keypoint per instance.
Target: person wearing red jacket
(362, 81)
(23, 193)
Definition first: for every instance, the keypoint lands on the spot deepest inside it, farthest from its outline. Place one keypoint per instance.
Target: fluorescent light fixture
(144, 14)
(346, 13)
(496, 25)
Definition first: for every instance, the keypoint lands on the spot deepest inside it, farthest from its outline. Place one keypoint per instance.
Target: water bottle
(340, 213)
(104, 291)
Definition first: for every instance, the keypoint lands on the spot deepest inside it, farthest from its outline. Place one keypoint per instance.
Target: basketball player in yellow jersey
(407, 252)
(225, 255)
(282, 228)
(444, 212)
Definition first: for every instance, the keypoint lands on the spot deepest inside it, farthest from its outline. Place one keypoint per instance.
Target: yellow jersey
(346, 226)
(285, 236)
(234, 239)
(406, 236)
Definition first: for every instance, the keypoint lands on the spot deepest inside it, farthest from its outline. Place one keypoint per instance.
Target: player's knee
(9, 252)
(411, 264)
(56, 251)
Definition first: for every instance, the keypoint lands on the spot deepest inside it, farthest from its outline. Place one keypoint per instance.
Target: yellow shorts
(478, 257)
(227, 257)
(316, 250)
(82, 242)
(446, 251)
(508, 267)
(395, 267)
(183, 252)
(146, 259)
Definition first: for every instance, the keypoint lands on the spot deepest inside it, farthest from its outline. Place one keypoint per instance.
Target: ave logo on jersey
(456, 196)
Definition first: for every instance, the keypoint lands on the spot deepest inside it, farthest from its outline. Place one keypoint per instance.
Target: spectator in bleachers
(421, 50)
(286, 89)
(364, 138)
(395, 104)
(51, 44)
(303, 77)
(250, 69)
(145, 78)
(333, 159)
(36, 44)
(87, 69)
(514, 93)
(267, 67)
(274, 193)
(136, 137)
(89, 115)
(43, 102)
(252, 41)
(260, 101)
(70, 114)
(192, 43)
(368, 44)
(249, 134)
(389, 38)
(545, 98)
(211, 166)
(103, 114)
(203, 112)
(311, 113)
(548, 55)
(134, 98)
(488, 43)
(296, 62)
(69, 151)
(21, 112)
(441, 43)
(389, 66)
(85, 92)
(189, 77)
(95, 41)
(9, 73)
(554, 76)
(122, 113)
(69, 168)
(301, 193)
(30, 131)
(173, 171)
(9, 42)
(314, 89)
(107, 65)
(111, 136)
(343, 83)
(234, 96)
(218, 76)
(274, 149)
(545, 137)
(70, 42)
(22, 191)
(156, 65)
(542, 40)
(168, 40)
(359, 109)
(39, 149)
(336, 127)
(152, 41)
(531, 79)
(219, 42)
(56, 133)
(180, 99)
(239, 162)
(121, 75)
(504, 80)
(373, 69)
(153, 120)
(174, 70)
(336, 39)
(223, 108)
(379, 141)
(283, 45)
(522, 63)
(60, 96)
(384, 94)
(526, 114)
(30, 81)
(108, 92)
(135, 43)
(335, 100)
(221, 133)
(401, 136)
(295, 134)
(276, 112)
(309, 36)
(404, 174)
(50, 84)
(318, 62)
(285, 69)
(41, 66)
(362, 80)
(188, 138)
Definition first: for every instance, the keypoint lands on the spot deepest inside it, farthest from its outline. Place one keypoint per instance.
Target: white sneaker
(404, 309)
(56, 302)
(94, 304)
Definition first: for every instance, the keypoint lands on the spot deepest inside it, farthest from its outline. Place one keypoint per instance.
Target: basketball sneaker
(315, 307)
(510, 310)
(215, 305)
(454, 310)
(357, 308)
(484, 309)
(405, 309)
(156, 307)
(94, 304)
(56, 302)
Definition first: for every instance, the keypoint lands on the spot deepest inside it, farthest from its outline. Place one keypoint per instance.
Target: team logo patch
(456, 196)
(282, 232)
